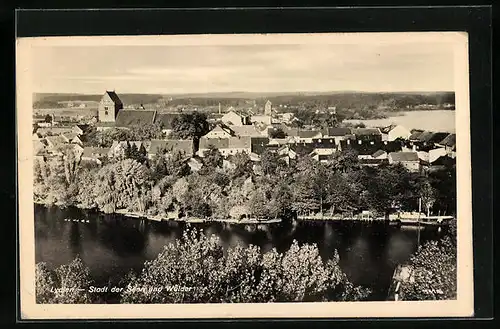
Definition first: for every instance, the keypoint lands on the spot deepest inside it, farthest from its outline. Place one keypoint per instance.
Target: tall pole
(418, 221)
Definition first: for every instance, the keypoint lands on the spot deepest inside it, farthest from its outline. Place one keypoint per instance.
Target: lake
(439, 120)
(112, 245)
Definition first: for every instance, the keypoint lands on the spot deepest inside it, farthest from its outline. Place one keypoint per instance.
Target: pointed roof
(114, 97)
(449, 140)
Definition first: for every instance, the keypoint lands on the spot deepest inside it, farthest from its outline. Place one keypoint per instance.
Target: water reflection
(113, 245)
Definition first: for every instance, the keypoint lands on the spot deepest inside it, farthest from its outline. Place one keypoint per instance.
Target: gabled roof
(247, 130)
(415, 134)
(449, 140)
(404, 156)
(127, 118)
(337, 131)
(437, 137)
(386, 130)
(366, 131)
(166, 119)
(114, 97)
(425, 136)
(443, 160)
(55, 140)
(69, 135)
(170, 145)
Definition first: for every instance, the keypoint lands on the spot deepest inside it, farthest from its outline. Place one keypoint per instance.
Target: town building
(409, 160)
(393, 132)
(367, 134)
(157, 146)
(94, 154)
(235, 119)
(109, 106)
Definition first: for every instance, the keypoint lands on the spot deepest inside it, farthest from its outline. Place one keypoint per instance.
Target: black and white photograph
(204, 174)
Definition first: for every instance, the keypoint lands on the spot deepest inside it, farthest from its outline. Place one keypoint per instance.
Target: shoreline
(252, 221)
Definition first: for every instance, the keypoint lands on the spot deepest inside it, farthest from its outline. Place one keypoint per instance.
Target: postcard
(244, 176)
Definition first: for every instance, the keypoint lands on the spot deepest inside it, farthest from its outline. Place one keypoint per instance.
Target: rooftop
(127, 118)
(404, 156)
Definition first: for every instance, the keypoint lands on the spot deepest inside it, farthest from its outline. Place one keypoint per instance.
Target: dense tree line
(266, 189)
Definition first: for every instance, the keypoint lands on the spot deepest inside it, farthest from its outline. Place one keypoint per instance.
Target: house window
(105, 110)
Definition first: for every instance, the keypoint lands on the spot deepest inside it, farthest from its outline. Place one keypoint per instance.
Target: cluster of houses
(241, 132)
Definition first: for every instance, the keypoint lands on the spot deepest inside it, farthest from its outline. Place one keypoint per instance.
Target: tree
(258, 203)
(48, 118)
(212, 158)
(433, 272)
(239, 274)
(277, 133)
(190, 126)
(243, 165)
(67, 284)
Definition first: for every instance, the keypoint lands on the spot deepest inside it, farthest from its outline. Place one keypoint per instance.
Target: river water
(112, 245)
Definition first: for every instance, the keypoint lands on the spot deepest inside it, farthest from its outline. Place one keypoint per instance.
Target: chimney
(219, 109)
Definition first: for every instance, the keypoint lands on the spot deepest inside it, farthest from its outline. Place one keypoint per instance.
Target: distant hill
(341, 99)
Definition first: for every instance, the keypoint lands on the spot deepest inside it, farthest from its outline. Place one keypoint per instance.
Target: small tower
(268, 108)
(109, 106)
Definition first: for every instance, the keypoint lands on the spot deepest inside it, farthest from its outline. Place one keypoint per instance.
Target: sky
(177, 69)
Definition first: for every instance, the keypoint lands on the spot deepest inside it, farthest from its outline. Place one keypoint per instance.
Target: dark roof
(404, 156)
(170, 145)
(450, 140)
(218, 143)
(437, 137)
(302, 148)
(425, 136)
(308, 133)
(126, 118)
(366, 131)
(367, 148)
(415, 134)
(443, 160)
(333, 131)
(387, 129)
(166, 119)
(114, 97)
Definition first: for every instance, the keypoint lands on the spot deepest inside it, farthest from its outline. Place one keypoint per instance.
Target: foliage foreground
(198, 269)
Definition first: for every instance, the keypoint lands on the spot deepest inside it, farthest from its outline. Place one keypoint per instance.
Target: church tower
(109, 106)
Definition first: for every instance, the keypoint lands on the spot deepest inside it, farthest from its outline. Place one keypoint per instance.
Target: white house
(236, 119)
(393, 132)
(219, 132)
(409, 160)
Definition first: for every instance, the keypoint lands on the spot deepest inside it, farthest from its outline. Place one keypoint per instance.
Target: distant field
(68, 111)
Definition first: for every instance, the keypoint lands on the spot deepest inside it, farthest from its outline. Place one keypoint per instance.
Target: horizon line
(250, 92)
